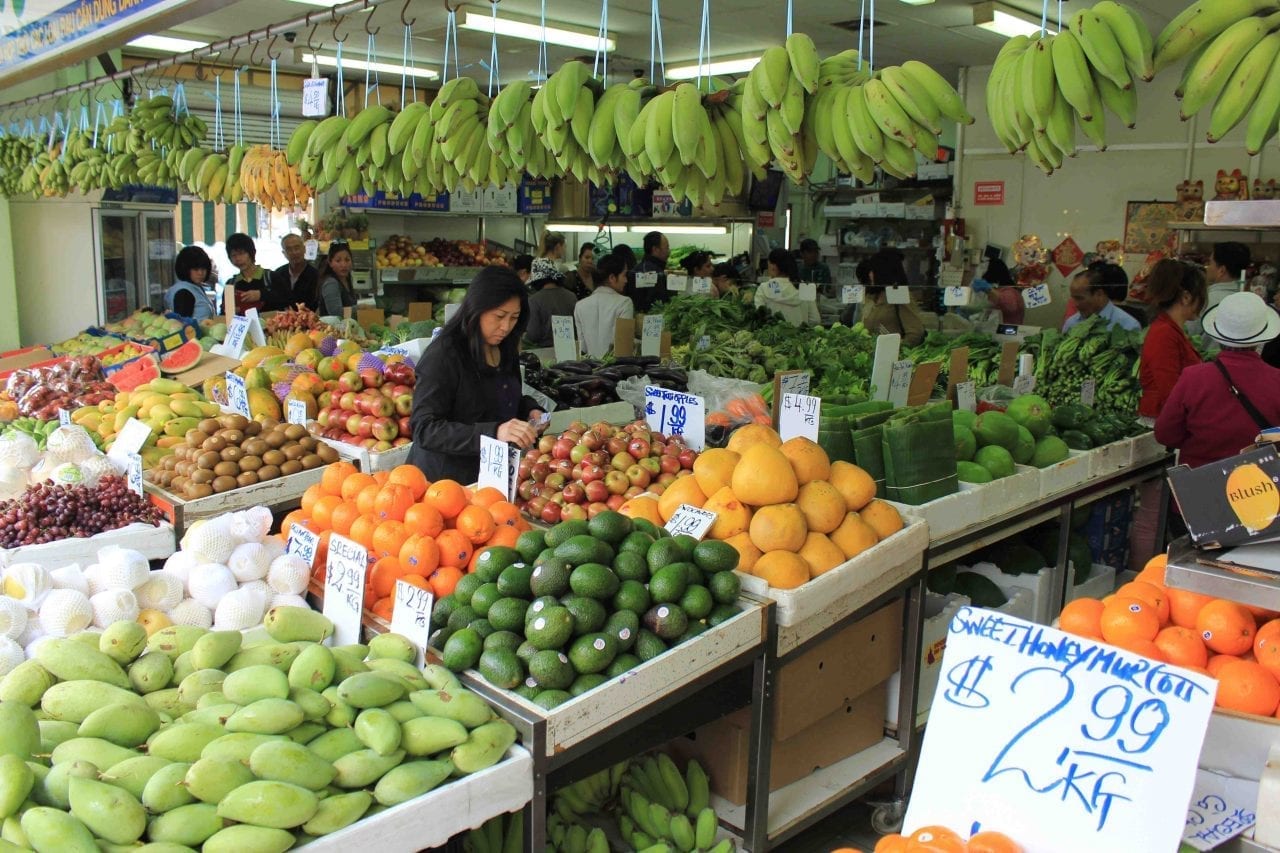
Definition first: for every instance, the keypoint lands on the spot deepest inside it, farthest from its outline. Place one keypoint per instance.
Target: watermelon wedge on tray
(183, 358)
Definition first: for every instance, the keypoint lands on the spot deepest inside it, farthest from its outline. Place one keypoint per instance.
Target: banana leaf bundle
(920, 454)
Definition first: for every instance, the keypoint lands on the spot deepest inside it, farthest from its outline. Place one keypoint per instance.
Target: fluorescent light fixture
(167, 43)
(717, 67)
(690, 230)
(581, 228)
(917, 2)
(480, 22)
(361, 65)
(1003, 21)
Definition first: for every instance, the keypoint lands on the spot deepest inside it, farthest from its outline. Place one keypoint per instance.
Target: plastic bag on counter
(995, 398)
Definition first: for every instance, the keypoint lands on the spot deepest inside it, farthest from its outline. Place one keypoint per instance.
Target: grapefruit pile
(939, 839)
(1237, 644)
(427, 534)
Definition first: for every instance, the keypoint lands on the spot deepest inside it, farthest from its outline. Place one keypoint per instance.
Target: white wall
(1087, 197)
(53, 267)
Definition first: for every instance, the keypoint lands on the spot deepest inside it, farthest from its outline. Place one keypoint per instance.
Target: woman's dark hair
(887, 269)
(609, 265)
(785, 262)
(192, 258)
(1169, 279)
(626, 254)
(998, 274)
(694, 260)
(242, 243)
(725, 270)
(522, 263)
(584, 248)
(491, 288)
(1109, 278)
(337, 247)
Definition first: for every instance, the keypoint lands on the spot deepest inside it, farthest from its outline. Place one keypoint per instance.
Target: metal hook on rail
(273, 56)
(369, 20)
(311, 35)
(253, 54)
(336, 23)
(402, 14)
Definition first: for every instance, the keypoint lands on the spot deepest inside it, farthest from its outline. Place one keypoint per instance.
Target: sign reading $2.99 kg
(344, 588)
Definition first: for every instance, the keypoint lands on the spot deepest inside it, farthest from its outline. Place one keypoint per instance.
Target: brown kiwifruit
(294, 451)
(275, 440)
(250, 463)
(183, 468)
(238, 422)
(232, 454)
(327, 454)
(208, 459)
(209, 426)
(293, 466)
(226, 469)
(202, 476)
(194, 438)
(178, 484)
(268, 472)
(232, 436)
(295, 432)
(214, 443)
(255, 447)
(224, 484)
(274, 457)
(253, 428)
(311, 461)
(195, 491)
(247, 478)
(308, 443)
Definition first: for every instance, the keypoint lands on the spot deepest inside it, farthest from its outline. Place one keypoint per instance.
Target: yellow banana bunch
(265, 177)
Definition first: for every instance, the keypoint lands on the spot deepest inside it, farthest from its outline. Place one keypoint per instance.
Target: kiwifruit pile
(231, 451)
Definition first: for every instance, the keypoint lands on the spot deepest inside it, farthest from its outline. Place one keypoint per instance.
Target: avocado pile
(569, 608)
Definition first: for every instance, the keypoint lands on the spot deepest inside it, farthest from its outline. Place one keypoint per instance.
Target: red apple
(371, 377)
(669, 464)
(574, 493)
(621, 461)
(368, 443)
(657, 489)
(573, 512)
(615, 502)
(616, 482)
(596, 491)
(578, 427)
(536, 504)
(638, 448)
(592, 473)
(401, 441)
(616, 445)
(579, 452)
(562, 448)
(383, 446)
(366, 425)
(666, 478)
(638, 476)
(556, 480)
(525, 469)
(385, 429)
(633, 492)
(525, 489)
(687, 458)
(386, 391)
(657, 448)
(563, 467)
(672, 449)
(353, 424)
(591, 442)
(323, 418)
(406, 426)
(348, 401)
(594, 509)
(350, 381)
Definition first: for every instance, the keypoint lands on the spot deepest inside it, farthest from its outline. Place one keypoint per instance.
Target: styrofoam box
(951, 513)
(809, 609)
(367, 461)
(435, 817)
(938, 612)
(1110, 458)
(1146, 448)
(1066, 474)
(1019, 605)
(1009, 494)
(1101, 583)
(153, 542)
(1039, 586)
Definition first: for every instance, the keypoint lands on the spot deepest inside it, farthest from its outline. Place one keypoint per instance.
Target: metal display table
(1185, 571)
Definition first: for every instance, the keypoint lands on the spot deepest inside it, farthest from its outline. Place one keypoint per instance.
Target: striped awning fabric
(210, 223)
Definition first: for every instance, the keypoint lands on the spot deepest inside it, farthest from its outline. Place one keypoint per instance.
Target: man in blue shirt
(1092, 292)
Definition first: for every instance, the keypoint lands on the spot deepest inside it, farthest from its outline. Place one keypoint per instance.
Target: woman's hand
(251, 295)
(517, 432)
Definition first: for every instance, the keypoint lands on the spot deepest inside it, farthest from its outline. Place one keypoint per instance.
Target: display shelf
(1110, 458)
(1185, 571)
(1065, 475)
(366, 460)
(282, 493)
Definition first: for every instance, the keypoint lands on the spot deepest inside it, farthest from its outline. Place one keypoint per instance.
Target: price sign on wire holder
(237, 333)
(303, 542)
(953, 296)
(700, 284)
(345, 568)
(691, 521)
(499, 466)
(1037, 296)
(851, 294)
(411, 616)
(651, 335)
(645, 280)
(966, 396)
(677, 283)
(64, 417)
(900, 382)
(1088, 391)
(799, 416)
(676, 413)
(1059, 741)
(315, 97)
(563, 338)
(297, 412)
(237, 394)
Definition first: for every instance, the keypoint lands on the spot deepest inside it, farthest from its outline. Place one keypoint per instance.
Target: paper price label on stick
(651, 335)
(900, 382)
(64, 417)
(793, 382)
(808, 291)
(704, 342)
(134, 473)
(564, 339)
(499, 466)
(1037, 297)
(257, 337)
(315, 97)
(128, 442)
(897, 295)
(297, 412)
(700, 284)
(303, 542)
(1061, 742)
(966, 397)
(645, 280)
(676, 413)
(851, 294)
(956, 296)
(677, 283)
(1088, 391)
(411, 616)
(237, 394)
(691, 521)
(799, 417)
(237, 333)
(344, 588)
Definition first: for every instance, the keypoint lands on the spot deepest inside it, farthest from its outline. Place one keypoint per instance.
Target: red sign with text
(766, 219)
(988, 192)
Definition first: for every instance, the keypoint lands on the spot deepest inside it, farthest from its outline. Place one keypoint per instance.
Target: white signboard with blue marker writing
(1061, 742)
(676, 413)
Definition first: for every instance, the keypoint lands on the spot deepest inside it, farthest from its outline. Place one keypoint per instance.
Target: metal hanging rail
(311, 19)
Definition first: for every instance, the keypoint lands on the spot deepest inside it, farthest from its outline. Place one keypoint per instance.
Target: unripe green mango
(337, 812)
(151, 672)
(211, 779)
(277, 805)
(215, 648)
(285, 761)
(111, 813)
(183, 741)
(244, 838)
(26, 683)
(123, 641)
(19, 730)
(190, 825)
(313, 668)
(413, 779)
(71, 661)
(125, 724)
(266, 717)
(165, 790)
(55, 831)
(248, 685)
(430, 735)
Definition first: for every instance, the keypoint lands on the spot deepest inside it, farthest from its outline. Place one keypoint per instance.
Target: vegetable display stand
(1065, 475)
(280, 494)
(432, 819)
(1010, 493)
(155, 542)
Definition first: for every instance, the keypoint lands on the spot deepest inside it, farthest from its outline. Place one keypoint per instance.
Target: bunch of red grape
(49, 513)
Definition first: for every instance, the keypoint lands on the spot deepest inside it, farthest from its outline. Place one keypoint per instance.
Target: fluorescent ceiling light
(483, 23)
(917, 2)
(691, 230)
(1003, 21)
(720, 66)
(167, 43)
(361, 65)
(581, 228)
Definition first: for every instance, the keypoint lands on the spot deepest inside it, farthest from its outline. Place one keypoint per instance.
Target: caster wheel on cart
(886, 818)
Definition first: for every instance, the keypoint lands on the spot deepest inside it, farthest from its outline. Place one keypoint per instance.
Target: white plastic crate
(1038, 586)
(1110, 458)
(1101, 583)
(1146, 448)
(951, 513)
(1065, 475)
(1010, 494)
(938, 612)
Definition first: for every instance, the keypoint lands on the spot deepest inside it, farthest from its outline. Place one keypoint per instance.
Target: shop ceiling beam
(313, 18)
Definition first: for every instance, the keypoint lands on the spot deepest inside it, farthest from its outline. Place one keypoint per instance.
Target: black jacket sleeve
(436, 398)
(307, 289)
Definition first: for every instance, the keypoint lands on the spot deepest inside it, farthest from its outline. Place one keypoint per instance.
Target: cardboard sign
(1222, 807)
(499, 466)
(882, 365)
(1232, 501)
(922, 382)
(956, 296)
(624, 337)
(799, 416)
(1088, 391)
(958, 370)
(966, 397)
(237, 334)
(64, 417)
(651, 337)
(237, 394)
(311, 249)
(676, 413)
(133, 473)
(344, 588)
(851, 294)
(677, 283)
(808, 291)
(1037, 296)
(691, 521)
(411, 616)
(564, 339)
(646, 280)
(1008, 362)
(450, 310)
(367, 317)
(304, 542)
(897, 295)
(128, 441)
(1061, 742)
(297, 412)
(900, 382)
(788, 382)
(700, 284)
(315, 97)
(419, 311)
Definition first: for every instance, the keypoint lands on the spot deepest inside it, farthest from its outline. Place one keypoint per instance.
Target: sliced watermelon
(183, 358)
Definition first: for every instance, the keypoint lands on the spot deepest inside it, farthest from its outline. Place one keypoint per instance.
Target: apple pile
(369, 408)
(587, 470)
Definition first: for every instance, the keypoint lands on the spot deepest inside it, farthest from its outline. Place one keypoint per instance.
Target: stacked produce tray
(282, 493)
(155, 542)
(1065, 475)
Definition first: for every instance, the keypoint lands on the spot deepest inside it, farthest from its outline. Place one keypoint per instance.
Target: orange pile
(1235, 643)
(428, 534)
(939, 839)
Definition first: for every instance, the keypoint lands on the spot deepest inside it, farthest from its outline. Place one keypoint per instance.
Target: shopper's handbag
(1249, 407)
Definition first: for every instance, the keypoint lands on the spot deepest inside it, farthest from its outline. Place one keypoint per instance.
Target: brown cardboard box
(722, 747)
(20, 358)
(209, 365)
(836, 671)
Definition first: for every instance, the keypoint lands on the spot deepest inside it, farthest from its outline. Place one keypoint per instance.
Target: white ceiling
(941, 33)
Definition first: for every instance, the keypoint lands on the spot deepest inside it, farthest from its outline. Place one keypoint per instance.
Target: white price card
(237, 333)
(237, 394)
(808, 291)
(851, 294)
(344, 580)
(304, 542)
(794, 382)
(544, 402)
(676, 413)
(955, 296)
(950, 276)
(134, 474)
(297, 412)
(449, 310)
(704, 342)
(677, 283)
(499, 466)
(1088, 391)
(966, 396)
(645, 280)
(411, 616)
(563, 338)
(315, 97)
(651, 335)
(1059, 741)
(691, 521)
(1024, 384)
(700, 284)
(897, 295)
(128, 442)
(882, 364)
(1221, 808)
(900, 382)
(64, 417)
(311, 249)
(257, 337)
(799, 417)
(1037, 296)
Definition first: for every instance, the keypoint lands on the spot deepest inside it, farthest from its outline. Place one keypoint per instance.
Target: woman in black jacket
(469, 381)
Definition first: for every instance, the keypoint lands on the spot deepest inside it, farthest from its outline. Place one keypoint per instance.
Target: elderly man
(298, 279)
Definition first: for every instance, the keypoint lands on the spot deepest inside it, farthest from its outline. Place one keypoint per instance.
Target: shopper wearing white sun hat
(1218, 408)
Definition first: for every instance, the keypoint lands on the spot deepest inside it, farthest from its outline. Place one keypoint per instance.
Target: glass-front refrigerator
(135, 259)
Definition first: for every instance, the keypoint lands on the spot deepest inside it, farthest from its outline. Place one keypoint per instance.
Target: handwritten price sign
(1222, 807)
(676, 413)
(64, 417)
(646, 280)
(237, 394)
(1088, 391)
(315, 97)
(344, 588)
(411, 615)
(1037, 297)
(851, 294)
(297, 412)
(237, 332)
(1063, 743)
(303, 542)
(651, 335)
(691, 521)
(564, 339)
(799, 417)
(677, 283)
(134, 473)
(499, 465)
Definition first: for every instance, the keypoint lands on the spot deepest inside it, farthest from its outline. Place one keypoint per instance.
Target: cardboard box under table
(828, 705)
